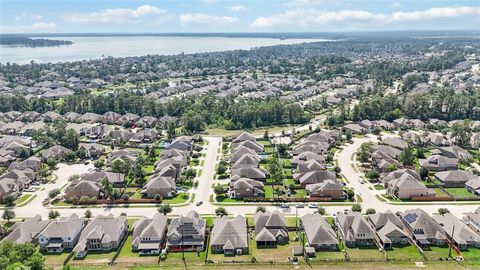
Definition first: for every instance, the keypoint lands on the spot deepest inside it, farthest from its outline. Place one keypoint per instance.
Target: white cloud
(115, 16)
(238, 8)
(209, 2)
(24, 16)
(205, 19)
(395, 5)
(312, 18)
(37, 27)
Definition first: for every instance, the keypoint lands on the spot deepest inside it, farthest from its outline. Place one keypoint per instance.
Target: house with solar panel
(423, 228)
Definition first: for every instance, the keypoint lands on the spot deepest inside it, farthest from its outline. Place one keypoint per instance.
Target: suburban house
(473, 221)
(456, 178)
(319, 233)
(82, 188)
(163, 186)
(316, 177)
(438, 163)
(395, 142)
(103, 233)
(463, 236)
(259, 174)
(60, 235)
(386, 178)
(245, 187)
(121, 155)
(407, 187)
(326, 189)
(187, 233)
(354, 229)
(389, 228)
(229, 236)
(56, 152)
(27, 231)
(473, 186)
(98, 175)
(454, 151)
(92, 150)
(423, 228)
(270, 228)
(149, 234)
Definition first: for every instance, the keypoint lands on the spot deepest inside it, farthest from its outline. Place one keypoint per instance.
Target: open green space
(459, 192)
(471, 253)
(404, 252)
(436, 252)
(366, 253)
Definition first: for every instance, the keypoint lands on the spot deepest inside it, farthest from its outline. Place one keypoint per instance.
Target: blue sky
(72, 16)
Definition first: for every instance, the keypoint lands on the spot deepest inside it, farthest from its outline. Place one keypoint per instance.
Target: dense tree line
(15, 40)
(196, 112)
(332, 58)
(440, 102)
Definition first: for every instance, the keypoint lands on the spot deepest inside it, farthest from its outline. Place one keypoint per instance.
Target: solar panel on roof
(410, 217)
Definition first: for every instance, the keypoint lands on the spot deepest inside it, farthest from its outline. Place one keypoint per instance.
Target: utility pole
(451, 242)
(183, 248)
(296, 220)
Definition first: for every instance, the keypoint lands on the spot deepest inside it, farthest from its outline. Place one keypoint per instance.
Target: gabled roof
(244, 136)
(65, 227)
(379, 219)
(26, 231)
(318, 231)
(232, 233)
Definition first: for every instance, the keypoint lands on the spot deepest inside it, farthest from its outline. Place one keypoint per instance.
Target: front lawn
(404, 252)
(180, 198)
(471, 253)
(365, 253)
(440, 193)
(191, 258)
(223, 198)
(279, 253)
(459, 192)
(23, 198)
(436, 252)
(55, 260)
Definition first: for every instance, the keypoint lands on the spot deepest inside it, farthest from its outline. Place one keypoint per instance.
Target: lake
(95, 47)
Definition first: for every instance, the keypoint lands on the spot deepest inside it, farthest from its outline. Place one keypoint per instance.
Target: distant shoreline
(277, 35)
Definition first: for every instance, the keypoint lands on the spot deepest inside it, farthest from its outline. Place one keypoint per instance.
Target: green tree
(8, 214)
(321, 210)
(365, 152)
(99, 163)
(9, 199)
(218, 189)
(53, 193)
(107, 187)
(406, 157)
(260, 209)
(88, 214)
(53, 214)
(443, 211)
(165, 209)
(20, 256)
(220, 211)
(370, 211)
(356, 208)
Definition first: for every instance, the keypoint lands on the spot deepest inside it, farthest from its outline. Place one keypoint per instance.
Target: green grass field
(436, 252)
(459, 192)
(404, 252)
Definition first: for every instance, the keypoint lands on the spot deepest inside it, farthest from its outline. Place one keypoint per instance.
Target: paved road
(63, 172)
(344, 158)
(204, 190)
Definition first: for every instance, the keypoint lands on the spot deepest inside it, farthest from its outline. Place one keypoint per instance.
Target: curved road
(204, 191)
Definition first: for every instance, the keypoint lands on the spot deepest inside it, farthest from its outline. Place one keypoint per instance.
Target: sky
(135, 16)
